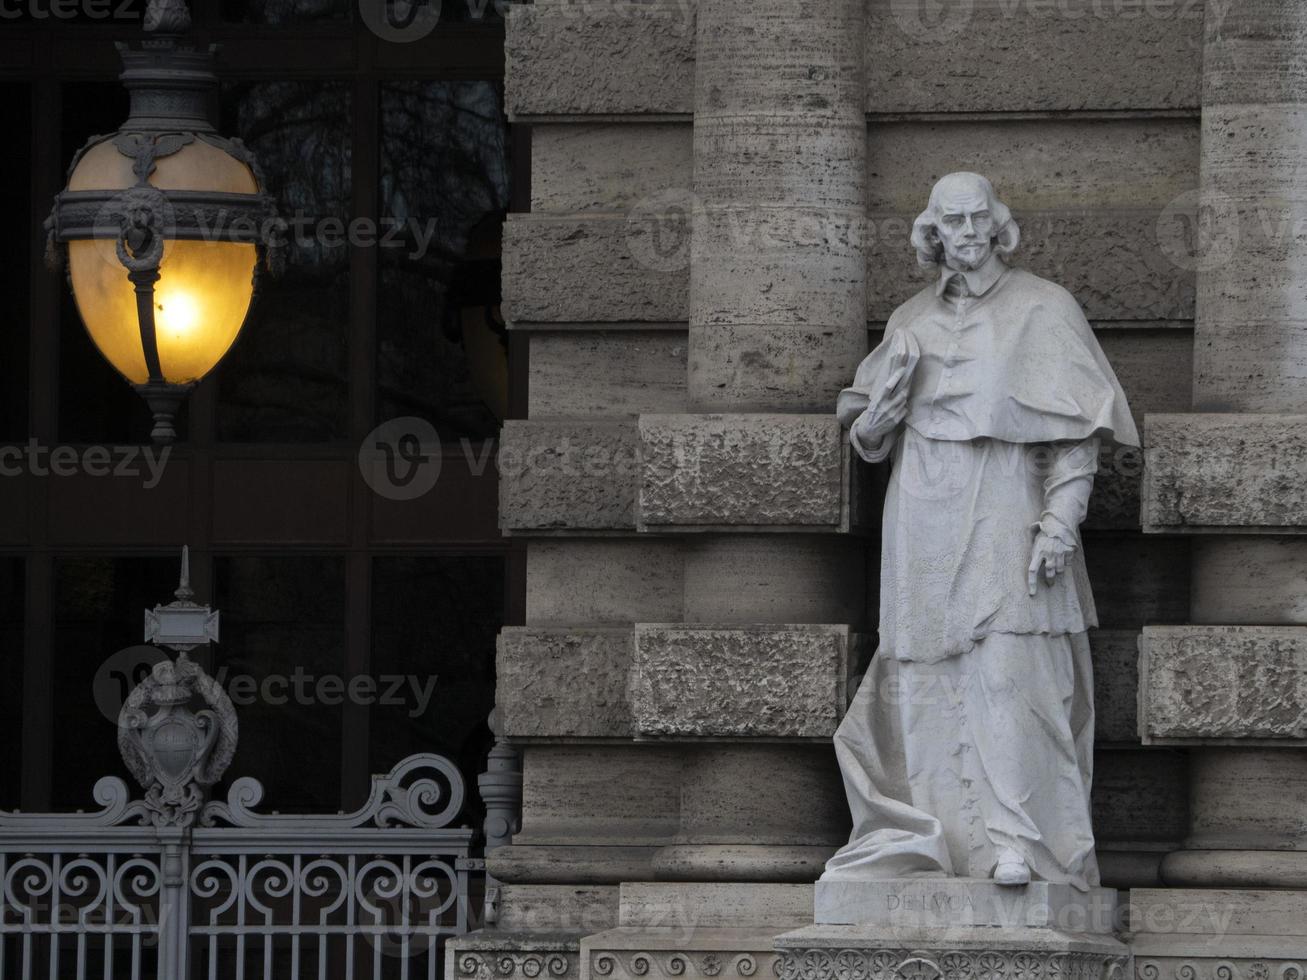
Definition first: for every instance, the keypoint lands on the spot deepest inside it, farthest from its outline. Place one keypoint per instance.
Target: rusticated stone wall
(721, 198)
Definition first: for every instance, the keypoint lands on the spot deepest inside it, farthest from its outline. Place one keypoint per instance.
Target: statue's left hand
(1050, 552)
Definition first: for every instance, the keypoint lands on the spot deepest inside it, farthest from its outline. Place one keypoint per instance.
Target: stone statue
(968, 750)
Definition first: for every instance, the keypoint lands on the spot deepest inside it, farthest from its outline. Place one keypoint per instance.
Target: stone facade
(721, 197)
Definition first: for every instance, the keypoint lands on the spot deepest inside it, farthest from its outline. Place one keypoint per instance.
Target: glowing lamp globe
(165, 226)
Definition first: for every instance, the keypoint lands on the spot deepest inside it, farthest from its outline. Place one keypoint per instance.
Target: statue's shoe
(1011, 869)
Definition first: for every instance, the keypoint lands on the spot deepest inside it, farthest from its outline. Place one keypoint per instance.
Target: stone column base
(1218, 934)
(954, 953)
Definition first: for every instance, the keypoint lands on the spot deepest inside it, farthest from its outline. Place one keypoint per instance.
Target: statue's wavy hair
(925, 234)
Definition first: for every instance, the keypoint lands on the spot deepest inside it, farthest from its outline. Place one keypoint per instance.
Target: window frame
(47, 54)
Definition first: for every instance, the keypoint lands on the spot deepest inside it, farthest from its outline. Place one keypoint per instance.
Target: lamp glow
(165, 224)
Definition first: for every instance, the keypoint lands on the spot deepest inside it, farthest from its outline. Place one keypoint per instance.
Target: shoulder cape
(1038, 374)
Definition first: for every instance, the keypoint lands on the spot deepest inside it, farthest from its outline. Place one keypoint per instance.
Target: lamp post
(164, 224)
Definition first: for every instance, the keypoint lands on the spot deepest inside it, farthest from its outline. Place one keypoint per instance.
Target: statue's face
(965, 225)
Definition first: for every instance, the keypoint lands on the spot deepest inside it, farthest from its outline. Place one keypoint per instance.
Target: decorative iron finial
(182, 624)
(167, 17)
(184, 592)
(177, 731)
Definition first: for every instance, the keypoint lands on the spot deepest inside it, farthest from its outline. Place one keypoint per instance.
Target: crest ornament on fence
(175, 885)
(177, 731)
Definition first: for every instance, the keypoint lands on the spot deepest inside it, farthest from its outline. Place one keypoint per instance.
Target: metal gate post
(174, 903)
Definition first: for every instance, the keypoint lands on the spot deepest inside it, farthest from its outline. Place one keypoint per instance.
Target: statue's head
(963, 224)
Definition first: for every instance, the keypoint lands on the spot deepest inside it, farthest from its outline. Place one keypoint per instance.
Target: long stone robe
(973, 729)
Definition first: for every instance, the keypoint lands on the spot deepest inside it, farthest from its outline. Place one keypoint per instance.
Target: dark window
(286, 12)
(15, 179)
(315, 574)
(11, 691)
(99, 617)
(282, 660)
(434, 622)
(442, 346)
(285, 381)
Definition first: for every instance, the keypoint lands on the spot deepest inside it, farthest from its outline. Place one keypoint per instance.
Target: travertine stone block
(1108, 259)
(950, 902)
(801, 808)
(1092, 55)
(1252, 349)
(692, 472)
(608, 794)
(673, 680)
(1098, 204)
(563, 683)
(1155, 368)
(573, 475)
(602, 374)
(558, 908)
(610, 268)
(628, 268)
(780, 681)
(592, 373)
(738, 579)
(571, 58)
(1116, 684)
(571, 864)
(1138, 579)
(1225, 471)
(1128, 865)
(1253, 579)
(796, 367)
(731, 470)
(777, 283)
(1140, 798)
(607, 582)
(1217, 683)
(714, 905)
(1212, 912)
(1040, 166)
(584, 168)
(1218, 933)
(1253, 801)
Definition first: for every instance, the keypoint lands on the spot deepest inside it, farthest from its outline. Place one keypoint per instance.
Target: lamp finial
(167, 17)
(184, 591)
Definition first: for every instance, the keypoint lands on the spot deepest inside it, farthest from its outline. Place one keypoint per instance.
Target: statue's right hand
(882, 417)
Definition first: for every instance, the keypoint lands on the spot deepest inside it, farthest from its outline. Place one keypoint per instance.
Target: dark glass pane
(11, 692)
(285, 12)
(282, 660)
(441, 346)
(285, 380)
(99, 617)
(96, 405)
(15, 179)
(434, 622)
(474, 11)
(58, 13)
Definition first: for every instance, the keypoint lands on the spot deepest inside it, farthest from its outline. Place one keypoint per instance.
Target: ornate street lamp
(164, 224)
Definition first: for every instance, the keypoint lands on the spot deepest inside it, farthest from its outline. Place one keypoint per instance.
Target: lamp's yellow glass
(204, 288)
(200, 302)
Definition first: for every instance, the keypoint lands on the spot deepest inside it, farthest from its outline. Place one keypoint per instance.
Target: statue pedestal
(957, 953)
(955, 929)
(933, 903)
